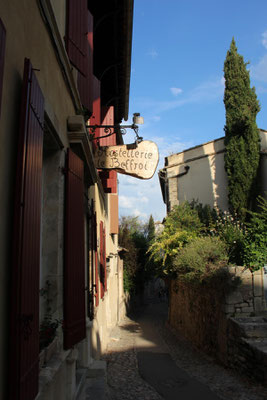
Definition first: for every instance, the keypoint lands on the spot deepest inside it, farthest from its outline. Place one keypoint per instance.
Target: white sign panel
(139, 160)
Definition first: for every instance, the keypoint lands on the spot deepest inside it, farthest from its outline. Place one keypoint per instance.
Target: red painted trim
(95, 119)
(85, 82)
(76, 33)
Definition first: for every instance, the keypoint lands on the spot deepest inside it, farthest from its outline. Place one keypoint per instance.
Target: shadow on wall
(96, 345)
(219, 177)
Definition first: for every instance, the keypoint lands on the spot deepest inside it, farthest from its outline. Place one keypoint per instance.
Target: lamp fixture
(113, 129)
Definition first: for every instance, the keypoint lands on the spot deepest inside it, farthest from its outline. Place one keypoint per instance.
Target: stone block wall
(247, 347)
(248, 299)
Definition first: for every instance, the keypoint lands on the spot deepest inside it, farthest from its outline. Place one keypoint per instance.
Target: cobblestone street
(146, 331)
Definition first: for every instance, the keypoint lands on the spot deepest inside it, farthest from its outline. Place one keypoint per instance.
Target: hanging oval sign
(139, 160)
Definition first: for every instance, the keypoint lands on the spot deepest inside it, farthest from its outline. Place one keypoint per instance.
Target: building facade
(198, 174)
(63, 65)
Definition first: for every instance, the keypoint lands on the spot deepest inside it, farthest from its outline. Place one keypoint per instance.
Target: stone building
(198, 174)
(63, 65)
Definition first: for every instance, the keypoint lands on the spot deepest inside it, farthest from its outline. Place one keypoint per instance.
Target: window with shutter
(76, 34)
(85, 82)
(24, 316)
(74, 268)
(2, 57)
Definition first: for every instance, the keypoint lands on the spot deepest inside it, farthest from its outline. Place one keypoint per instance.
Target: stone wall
(248, 299)
(247, 346)
(201, 313)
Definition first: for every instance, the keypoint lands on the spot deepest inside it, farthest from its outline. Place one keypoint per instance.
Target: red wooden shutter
(85, 83)
(107, 118)
(74, 271)
(2, 56)
(95, 119)
(24, 352)
(108, 178)
(76, 34)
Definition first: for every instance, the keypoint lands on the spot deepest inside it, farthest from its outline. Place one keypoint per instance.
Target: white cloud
(155, 118)
(264, 39)
(127, 180)
(205, 92)
(259, 71)
(175, 147)
(130, 202)
(125, 202)
(143, 199)
(153, 53)
(175, 91)
(140, 214)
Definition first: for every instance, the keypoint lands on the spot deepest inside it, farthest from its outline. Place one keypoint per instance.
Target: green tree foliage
(135, 236)
(255, 244)
(181, 226)
(202, 260)
(150, 229)
(242, 142)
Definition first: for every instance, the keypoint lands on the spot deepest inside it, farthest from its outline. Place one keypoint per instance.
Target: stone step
(80, 382)
(97, 368)
(96, 381)
(251, 327)
(259, 348)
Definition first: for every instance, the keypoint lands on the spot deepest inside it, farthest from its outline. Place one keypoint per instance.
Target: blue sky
(178, 52)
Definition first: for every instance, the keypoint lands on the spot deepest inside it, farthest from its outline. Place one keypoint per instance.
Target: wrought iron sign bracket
(114, 129)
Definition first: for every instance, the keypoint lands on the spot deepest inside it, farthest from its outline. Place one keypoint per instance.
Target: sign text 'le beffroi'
(139, 160)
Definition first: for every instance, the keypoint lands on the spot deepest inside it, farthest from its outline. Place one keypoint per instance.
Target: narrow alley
(146, 361)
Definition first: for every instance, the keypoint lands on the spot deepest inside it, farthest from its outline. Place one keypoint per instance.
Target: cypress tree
(150, 229)
(242, 140)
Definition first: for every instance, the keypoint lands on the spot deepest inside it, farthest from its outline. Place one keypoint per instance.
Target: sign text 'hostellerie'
(140, 161)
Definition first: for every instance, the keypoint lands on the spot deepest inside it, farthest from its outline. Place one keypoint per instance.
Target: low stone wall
(247, 347)
(201, 313)
(248, 299)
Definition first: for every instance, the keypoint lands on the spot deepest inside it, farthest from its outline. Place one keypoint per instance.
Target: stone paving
(124, 381)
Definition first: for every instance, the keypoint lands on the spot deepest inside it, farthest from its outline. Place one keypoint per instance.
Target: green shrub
(181, 226)
(233, 233)
(255, 244)
(207, 215)
(183, 217)
(202, 260)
